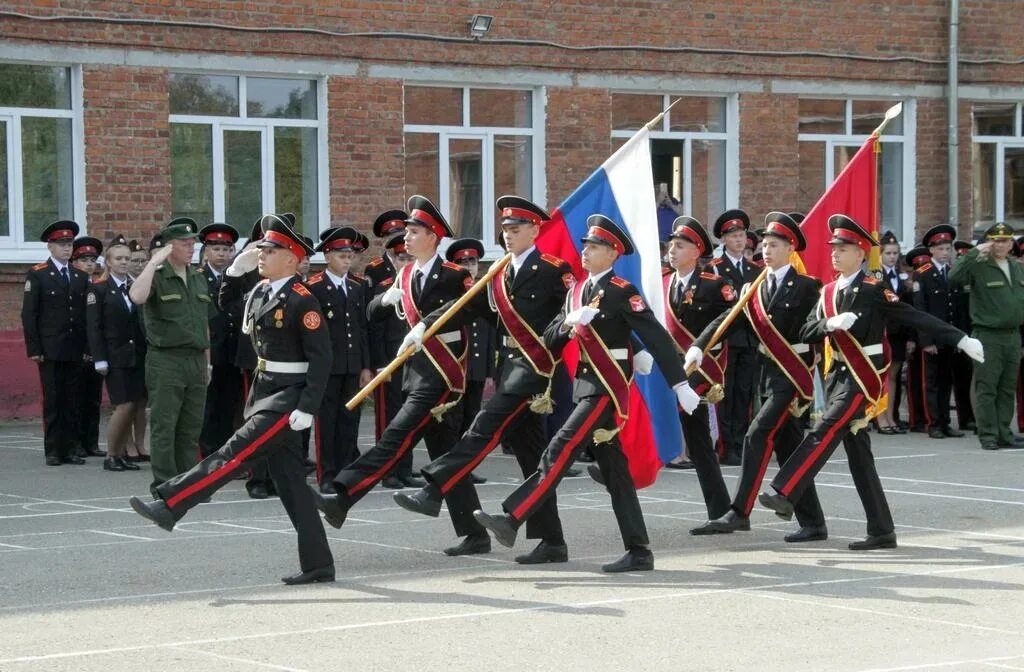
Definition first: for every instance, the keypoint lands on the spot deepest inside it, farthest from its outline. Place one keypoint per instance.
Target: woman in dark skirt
(118, 346)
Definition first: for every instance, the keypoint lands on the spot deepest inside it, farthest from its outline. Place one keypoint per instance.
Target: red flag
(854, 194)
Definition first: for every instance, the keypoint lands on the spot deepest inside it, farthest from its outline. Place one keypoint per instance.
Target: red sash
(529, 342)
(605, 366)
(778, 349)
(712, 368)
(870, 380)
(451, 368)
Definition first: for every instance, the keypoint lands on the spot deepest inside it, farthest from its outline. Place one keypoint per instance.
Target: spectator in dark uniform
(85, 251)
(899, 282)
(963, 367)
(915, 389)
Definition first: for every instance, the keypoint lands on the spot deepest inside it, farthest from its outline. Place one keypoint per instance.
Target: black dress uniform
(915, 388)
(90, 381)
(741, 370)
(53, 319)
(343, 302)
(116, 336)
(288, 331)
(963, 366)
(900, 283)
(848, 400)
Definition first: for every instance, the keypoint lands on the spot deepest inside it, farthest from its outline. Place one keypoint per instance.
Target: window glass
(243, 177)
(696, 114)
(47, 173)
(995, 119)
(822, 116)
(465, 177)
(214, 95)
(192, 172)
(280, 98)
(503, 108)
(295, 176)
(35, 86)
(433, 106)
(630, 112)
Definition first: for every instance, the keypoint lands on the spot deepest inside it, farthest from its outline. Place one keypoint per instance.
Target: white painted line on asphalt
(13, 546)
(235, 659)
(894, 457)
(118, 534)
(1002, 666)
(945, 663)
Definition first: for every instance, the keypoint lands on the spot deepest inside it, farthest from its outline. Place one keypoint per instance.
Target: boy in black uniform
(963, 367)
(916, 392)
(284, 321)
(85, 251)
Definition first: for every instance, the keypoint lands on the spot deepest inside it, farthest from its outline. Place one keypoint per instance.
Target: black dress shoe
(477, 480)
(95, 452)
(74, 459)
(572, 472)
(392, 483)
(952, 433)
(474, 544)
(936, 433)
(128, 466)
(155, 511)
(782, 507)
(333, 511)
(594, 472)
(327, 488)
(500, 526)
(635, 560)
(410, 481)
(730, 522)
(809, 533)
(985, 445)
(258, 491)
(422, 501)
(112, 464)
(681, 464)
(320, 575)
(873, 542)
(544, 553)
(53, 461)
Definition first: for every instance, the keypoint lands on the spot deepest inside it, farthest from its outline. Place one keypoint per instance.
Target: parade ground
(89, 586)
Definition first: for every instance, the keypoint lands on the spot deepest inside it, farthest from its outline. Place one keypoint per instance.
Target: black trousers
(774, 429)
(938, 386)
(917, 414)
(845, 403)
(472, 399)
(741, 376)
(388, 399)
(589, 415)
(224, 399)
(412, 423)
(337, 428)
(506, 416)
(963, 373)
(263, 438)
(701, 451)
(90, 397)
(61, 408)
(259, 473)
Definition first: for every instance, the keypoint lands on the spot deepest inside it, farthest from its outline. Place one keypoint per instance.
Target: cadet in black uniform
(434, 380)
(284, 321)
(53, 319)
(963, 367)
(916, 393)
(85, 251)
(900, 339)
(775, 314)
(853, 313)
(601, 313)
(343, 300)
(530, 295)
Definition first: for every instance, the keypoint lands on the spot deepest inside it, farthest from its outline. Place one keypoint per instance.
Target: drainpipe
(952, 102)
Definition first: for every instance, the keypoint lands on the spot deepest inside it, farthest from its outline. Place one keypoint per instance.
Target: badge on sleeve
(311, 320)
(728, 293)
(90, 299)
(890, 296)
(568, 280)
(28, 285)
(917, 286)
(636, 303)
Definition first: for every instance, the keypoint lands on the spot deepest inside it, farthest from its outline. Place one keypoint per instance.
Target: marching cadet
(899, 282)
(343, 300)
(852, 314)
(85, 251)
(284, 321)
(601, 314)
(224, 396)
(118, 346)
(963, 367)
(933, 295)
(997, 313)
(523, 300)
(916, 392)
(434, 380)
(53, 319)
(741, 370)
(776, 312)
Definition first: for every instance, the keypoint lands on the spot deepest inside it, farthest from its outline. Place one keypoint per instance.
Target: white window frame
(908, 233)
(1002, 142)
(13, 247)
(538, 104)
(266, 126)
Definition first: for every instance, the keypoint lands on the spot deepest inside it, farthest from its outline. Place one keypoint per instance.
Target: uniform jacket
(723, 266)
(904, 288)
(53, 313)
(997, 302)
(345, 312)
(231, 299)
(704, 297)
(116, 334)
(223, 325)
(934, 296)
(387, 330)
(480, 363)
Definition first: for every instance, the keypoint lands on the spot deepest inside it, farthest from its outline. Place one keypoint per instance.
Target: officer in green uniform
(178, 308)
(997, 311)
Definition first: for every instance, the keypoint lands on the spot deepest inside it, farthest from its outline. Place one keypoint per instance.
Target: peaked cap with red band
(338, 238)
(463, 249)
(690, 230)
(218, 234)
(845, 231)
(361, 244)
(390, 222)
(961, 246)
(86, 246)
(917, 256)
(517, 210)
(939, 234)
(276, 233)
(396, 244)
(423, 213)
(781, 225)
(62, 231)
(729, 221)
(604, 231)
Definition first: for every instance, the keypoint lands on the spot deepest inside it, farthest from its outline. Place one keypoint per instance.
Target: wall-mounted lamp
(479, 25)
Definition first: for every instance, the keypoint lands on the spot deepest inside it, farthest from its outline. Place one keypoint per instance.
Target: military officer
(997, 313)
(852, 314)
(53, 320)
(85, 251)
(601, 313)
(284, 321)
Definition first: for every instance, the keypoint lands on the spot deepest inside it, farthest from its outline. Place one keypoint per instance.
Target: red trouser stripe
(317, 438)
(584, 432)
(769, 448)
(820, 448)
(924, 390)
(454, 480)
(231, 465)
(403, 447)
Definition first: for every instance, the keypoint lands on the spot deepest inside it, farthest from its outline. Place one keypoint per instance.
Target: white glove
(643, 363)
(244, 262)
(581, 316)
(693, 356)
(414, 339)
(299, 420)
(687, 398)
(841, 322)
(973, 348)
(101, 367)
(392, 296)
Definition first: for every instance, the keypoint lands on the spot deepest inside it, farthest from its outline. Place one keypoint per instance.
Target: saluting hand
(160, 256)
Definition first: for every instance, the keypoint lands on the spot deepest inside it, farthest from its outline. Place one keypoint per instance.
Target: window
(243, 146)
(41, 169)
(464, 147)
(694, 151)
(997, 166)
(830, 133)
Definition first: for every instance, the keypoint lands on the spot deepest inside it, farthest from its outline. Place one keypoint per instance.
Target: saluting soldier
(343, 300)
(284, 322)
(776, 313)
(916, 392)
(963, 367)
(85, 251)
(601, 313)
(900, 343)
(53, 320)
(522, 301)
(434, 381)
(852, 314)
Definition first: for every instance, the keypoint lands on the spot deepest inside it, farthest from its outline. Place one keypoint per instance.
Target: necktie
(771, 287)
(64, 276)
(587, 288)
(416, 278)
(677, 292)
(945, 273)
(840, 295)
(511, 275)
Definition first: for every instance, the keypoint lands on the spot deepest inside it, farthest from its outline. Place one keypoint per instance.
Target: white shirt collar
(338, 280)
(60, 266)
(426, 266)
(520, 259)
(594, 278)
(846, 280)
(119, 282)
(684, 279)
(736, 261)
(888, 269)
(276, 285)
(213, 270)
(780, 274)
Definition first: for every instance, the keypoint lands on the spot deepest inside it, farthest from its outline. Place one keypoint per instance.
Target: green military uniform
(997, 311)
(176, 316)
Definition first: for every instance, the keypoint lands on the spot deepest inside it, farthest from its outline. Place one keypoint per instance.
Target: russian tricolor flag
(622, 189)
